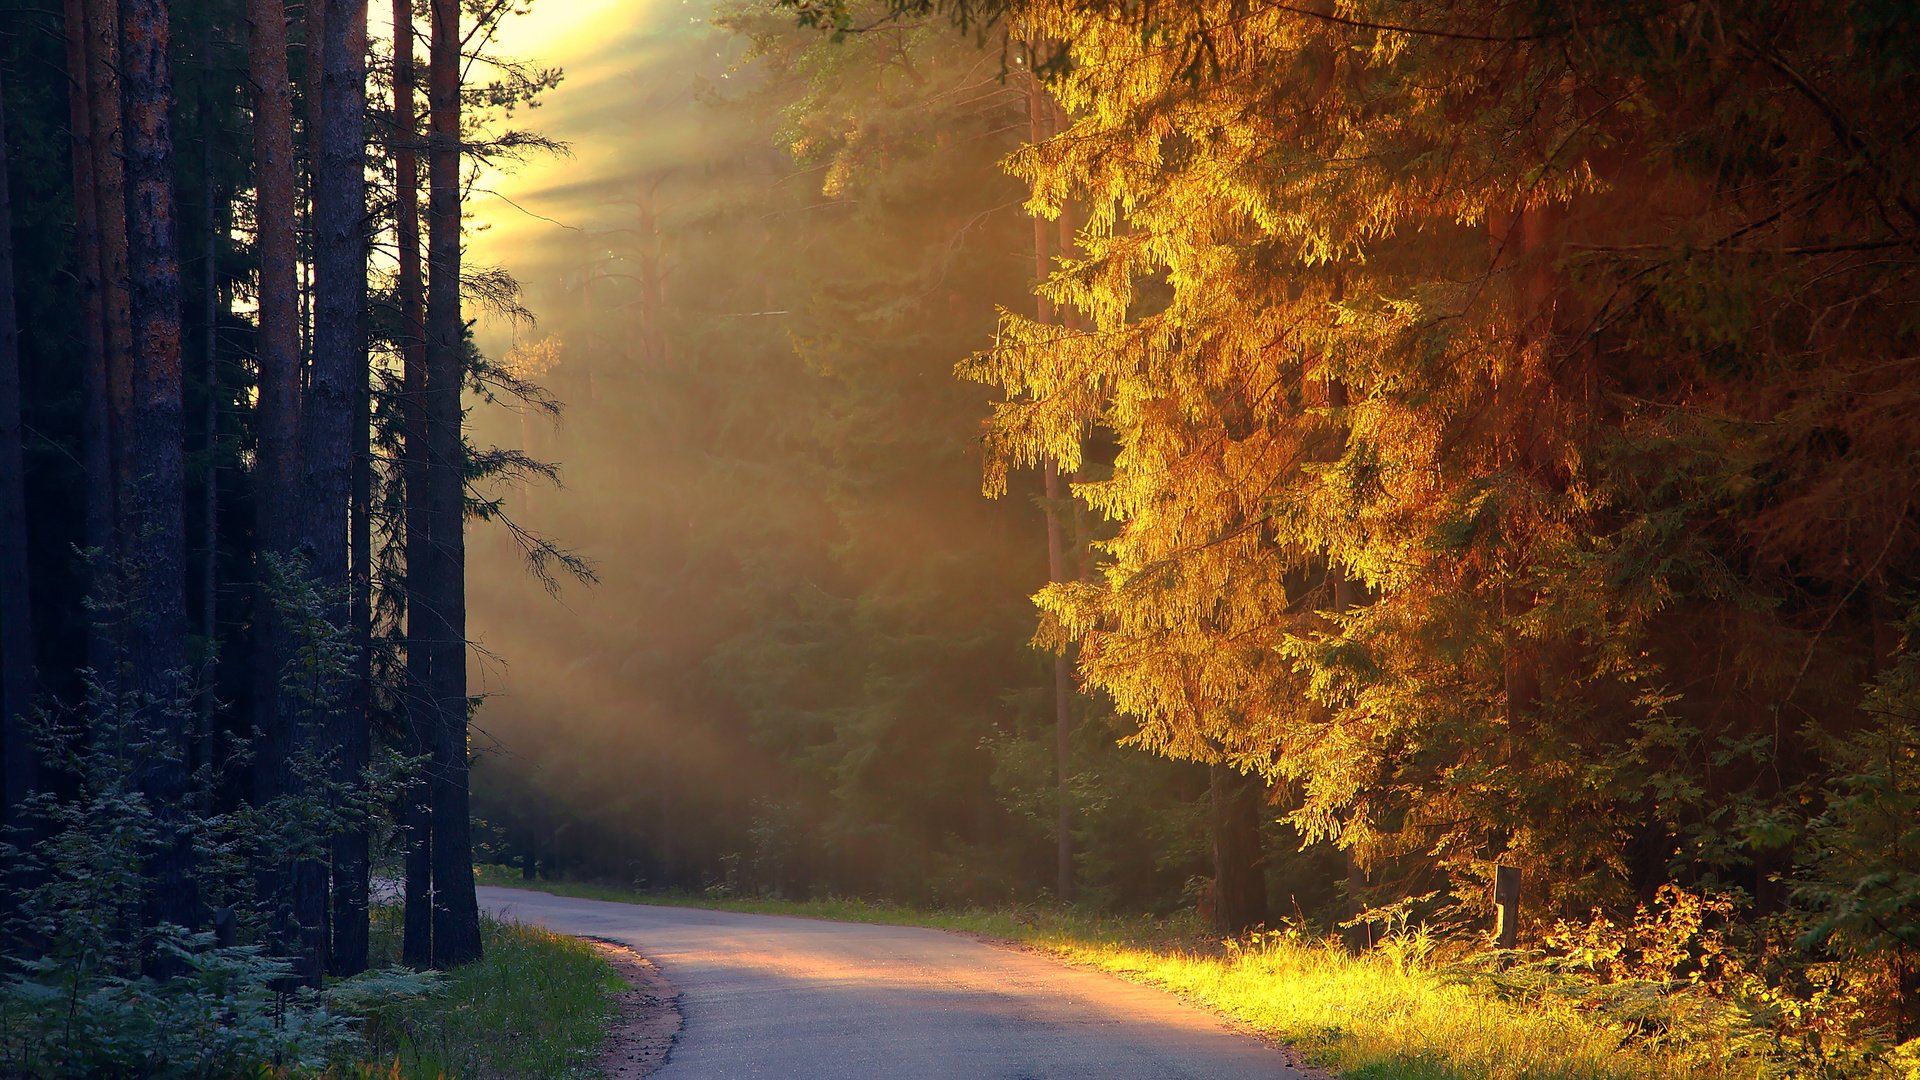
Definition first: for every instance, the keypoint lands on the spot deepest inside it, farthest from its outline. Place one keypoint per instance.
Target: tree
(91, 274)
(419, 719)
(153, 494)
(283, 733)
(107, 156)
(335, 423)
(17, 757)
(437, 613)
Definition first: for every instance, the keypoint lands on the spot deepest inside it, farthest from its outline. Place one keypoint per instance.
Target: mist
(804, 665)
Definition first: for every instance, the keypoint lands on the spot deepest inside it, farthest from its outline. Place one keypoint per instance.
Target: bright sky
(582, 37)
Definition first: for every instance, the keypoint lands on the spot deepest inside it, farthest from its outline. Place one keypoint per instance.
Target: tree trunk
(95, 453)
(417, 928)
(106, 135)
(456, 919)
(276, 420)
(153, 501)
(211, 231)
(18, 774)
(333, 435)
(1038, 109)
(1239, 864)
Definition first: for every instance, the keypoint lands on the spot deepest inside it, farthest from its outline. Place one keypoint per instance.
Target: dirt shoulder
(640, 1040)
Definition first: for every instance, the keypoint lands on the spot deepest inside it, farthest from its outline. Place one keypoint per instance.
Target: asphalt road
(770, 996)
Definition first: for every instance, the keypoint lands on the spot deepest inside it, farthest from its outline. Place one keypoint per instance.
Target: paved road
(769, 996)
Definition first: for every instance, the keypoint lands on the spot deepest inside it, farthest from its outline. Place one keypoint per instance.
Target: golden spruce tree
(1487, 392)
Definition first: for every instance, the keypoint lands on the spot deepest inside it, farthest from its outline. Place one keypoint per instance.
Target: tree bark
(153, 501)
(417, 925)
(211, 230)
(18, 774)
(334, 432)
(277, 423)
(1239, 874)
(106, 136)
(95, 453)
(456, 919)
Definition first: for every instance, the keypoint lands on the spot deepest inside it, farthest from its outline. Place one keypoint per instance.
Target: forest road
(782, 998)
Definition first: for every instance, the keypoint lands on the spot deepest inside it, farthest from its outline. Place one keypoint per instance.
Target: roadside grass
(536, 1006)
(1394, 1013)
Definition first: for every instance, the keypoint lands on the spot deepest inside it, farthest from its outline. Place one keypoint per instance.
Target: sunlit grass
(536, 1006)
(1385, 1015)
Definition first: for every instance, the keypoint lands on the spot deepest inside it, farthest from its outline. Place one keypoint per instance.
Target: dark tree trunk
(16, 617)
(1037, 113)
(106, 136)
(95, 453)
(351, 856)
(277, 423)
(417, 926)
(1239, 865)
(153, 500)
(335, 429)
(212, 228)
(456, 918)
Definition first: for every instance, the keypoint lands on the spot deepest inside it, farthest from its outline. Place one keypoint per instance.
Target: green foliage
(86, 1000)
(535, 1007)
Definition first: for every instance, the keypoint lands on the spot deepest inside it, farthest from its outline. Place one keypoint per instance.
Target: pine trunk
(417, 925)
(107, 138)
(212, 228)
(16, 618)
(95, 454)
(1239, 874)
(334, 431)
(153, 498)
(456, 918)
(277, 407)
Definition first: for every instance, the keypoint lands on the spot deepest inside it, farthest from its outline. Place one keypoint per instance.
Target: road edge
(641, 1038)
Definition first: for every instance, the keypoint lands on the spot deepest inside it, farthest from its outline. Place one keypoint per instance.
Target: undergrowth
(536, 1006)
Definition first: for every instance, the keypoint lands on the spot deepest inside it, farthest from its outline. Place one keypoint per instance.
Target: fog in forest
(805, 663)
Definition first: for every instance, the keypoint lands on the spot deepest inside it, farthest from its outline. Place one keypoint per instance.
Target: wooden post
(1506, 906)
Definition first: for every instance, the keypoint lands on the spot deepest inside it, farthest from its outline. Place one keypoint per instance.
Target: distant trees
(263, 778)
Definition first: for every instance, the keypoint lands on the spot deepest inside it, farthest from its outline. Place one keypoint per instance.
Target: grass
(535, 1006)
(1390, 1014)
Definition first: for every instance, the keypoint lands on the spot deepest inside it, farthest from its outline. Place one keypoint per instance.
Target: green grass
(1391, 1014)
(536, 1006)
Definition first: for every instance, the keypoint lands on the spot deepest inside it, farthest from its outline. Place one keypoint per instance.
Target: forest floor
(1398, 1012)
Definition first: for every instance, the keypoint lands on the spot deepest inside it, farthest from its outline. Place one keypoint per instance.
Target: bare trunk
(417, 930)
(153, 498)
(95, 451)
(106, 136)
(18, 777)
(212, 229)
(1239, 864)
(456, 919)
(277, 420)
(334, 427)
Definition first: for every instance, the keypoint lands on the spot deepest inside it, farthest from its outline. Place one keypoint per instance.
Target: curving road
(770, 996)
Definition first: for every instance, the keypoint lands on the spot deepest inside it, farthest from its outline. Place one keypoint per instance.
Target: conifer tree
(439, 600)
(17, 764)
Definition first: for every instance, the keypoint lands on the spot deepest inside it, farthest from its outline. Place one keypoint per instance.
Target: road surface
(782, 998)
